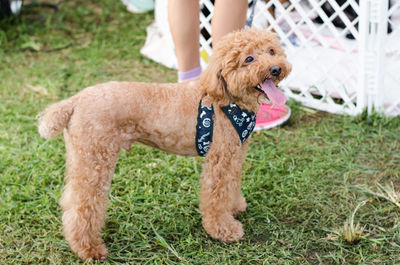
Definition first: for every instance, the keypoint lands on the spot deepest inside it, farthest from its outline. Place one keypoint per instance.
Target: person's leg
(228, 16)
(184, 23)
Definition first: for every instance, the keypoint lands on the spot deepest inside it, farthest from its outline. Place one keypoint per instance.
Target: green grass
(302, 181)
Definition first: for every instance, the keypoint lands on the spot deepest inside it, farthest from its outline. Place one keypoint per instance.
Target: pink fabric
(270, 116)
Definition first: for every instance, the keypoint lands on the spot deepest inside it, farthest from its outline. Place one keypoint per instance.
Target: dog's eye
(272, 52)
(249, 59)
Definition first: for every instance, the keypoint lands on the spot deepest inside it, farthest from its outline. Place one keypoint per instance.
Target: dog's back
(132, 112)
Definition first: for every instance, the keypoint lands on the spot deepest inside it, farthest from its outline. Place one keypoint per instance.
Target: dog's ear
(212, 81)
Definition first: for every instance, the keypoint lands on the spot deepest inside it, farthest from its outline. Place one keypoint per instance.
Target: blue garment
(242, 120)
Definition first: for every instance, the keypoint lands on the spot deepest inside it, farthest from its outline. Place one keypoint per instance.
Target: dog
(101, 120)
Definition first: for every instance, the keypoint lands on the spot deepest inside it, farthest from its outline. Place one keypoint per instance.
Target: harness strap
(204, 129)
(242, 120)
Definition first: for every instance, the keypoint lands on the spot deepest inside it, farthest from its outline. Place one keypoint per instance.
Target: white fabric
(159, 45)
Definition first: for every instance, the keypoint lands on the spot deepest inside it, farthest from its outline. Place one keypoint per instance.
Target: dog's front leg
(220, 197)
(239, 202)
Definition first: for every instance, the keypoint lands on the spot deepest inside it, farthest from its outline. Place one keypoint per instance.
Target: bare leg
(228, 16)
(84, 200)
(183, 18)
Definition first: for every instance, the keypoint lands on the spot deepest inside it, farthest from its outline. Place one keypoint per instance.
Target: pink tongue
(274, 94)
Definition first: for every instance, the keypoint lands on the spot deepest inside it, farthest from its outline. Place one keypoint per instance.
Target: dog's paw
(240, 206)
(95, 253)
(225, 228)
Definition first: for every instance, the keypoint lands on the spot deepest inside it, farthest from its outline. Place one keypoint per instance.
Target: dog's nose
(275, 70)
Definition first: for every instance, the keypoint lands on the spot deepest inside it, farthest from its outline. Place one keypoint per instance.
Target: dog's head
(245, 68)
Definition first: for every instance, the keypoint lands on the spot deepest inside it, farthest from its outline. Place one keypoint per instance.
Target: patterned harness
(242, 120)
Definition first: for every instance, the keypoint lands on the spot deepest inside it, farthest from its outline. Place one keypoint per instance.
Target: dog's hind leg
(90, 167)
(220, 197)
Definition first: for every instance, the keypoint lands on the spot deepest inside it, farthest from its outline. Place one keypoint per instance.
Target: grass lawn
(307, 184)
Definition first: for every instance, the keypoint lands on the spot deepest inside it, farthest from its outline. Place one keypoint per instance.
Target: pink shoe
(270, 116)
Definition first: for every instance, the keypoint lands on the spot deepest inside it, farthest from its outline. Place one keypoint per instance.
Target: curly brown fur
(102, 119)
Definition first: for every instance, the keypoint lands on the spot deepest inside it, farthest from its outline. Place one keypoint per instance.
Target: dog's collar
(242, 120)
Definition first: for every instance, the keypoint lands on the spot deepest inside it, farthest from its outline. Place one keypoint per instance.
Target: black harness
(242, 120)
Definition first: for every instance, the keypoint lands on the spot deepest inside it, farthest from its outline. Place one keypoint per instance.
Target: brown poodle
(102, 119)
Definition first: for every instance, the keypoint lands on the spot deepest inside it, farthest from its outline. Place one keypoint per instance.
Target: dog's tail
(55, 118)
